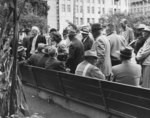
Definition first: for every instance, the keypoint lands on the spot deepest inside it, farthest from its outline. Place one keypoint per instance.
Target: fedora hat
(90, 53)
(50, 50)
(21, 48)
(96, 26)
(141, 26)
(146, 29)
(126, 52)
(85, 30)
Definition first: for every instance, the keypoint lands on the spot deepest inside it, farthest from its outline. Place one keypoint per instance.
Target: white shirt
(33, 45)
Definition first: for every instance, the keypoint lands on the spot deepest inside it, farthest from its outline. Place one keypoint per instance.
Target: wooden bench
(123, 100)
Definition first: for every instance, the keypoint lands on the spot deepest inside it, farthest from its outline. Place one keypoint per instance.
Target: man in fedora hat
(140, 40)
(88, 66)
(86, 40)
(102, 47)
(127, 72)
(76, 51)
(143, 56)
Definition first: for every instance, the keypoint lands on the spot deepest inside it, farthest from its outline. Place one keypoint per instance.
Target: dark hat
(126, 52)
(96, 26)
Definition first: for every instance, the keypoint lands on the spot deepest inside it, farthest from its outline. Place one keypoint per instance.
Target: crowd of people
(97, 51)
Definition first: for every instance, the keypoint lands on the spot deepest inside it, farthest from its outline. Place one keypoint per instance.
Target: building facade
(139, 7)
(82, 12)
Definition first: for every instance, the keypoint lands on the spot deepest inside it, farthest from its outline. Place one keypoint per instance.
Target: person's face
(65, 36)
(34, 33)
(94, 61)
(53, 43)
(146, 34)
(84, 35)
(123, 25)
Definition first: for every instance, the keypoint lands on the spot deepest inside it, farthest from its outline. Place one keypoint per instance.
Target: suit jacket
(54, 64)
(76, 54)
(89, 70)
(127, 73)
(28, 43)
(87, 42)
(102, 47)
(35, 59)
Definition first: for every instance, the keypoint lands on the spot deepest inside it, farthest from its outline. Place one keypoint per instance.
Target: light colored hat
(141, 26)
(90, 53)
(50, 50)
(21, 48)
(85, 30)
(146, 29)
(41, 46)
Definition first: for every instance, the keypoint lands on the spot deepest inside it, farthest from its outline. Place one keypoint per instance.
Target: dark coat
(27, 43)
(35, 59)
(76, 54)
(54, 64)
(87, 42)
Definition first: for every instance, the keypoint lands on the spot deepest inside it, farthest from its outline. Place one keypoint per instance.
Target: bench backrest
(120, 99)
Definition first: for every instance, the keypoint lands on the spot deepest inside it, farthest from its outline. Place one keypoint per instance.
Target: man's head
(91, 56)
(110, 28)
(85, 31)
(140, 28)
(21, 51)
(50, 51)
(35, 31)
(123, 23)
(146, 32)
(65, 33)
(40, 47)
(126, 53)
(56, 38)
(96, 30)
(72, 33)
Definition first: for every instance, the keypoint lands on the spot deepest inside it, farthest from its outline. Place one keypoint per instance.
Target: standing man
(116, 43)
(76, 51)
(127, 32)
(102, 47)
(33, 42)
(143, 56)
(86, 40)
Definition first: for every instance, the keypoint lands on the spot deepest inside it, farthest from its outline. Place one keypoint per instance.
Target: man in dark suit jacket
(53, 63)
(32, 43)
(86, 40)
(76, 51)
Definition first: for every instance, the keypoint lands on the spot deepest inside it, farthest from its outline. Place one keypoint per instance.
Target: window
(77, 20)
(93, 10)
(93, 20)
(81, 1)
(103, 10)
(103, 1)
(81, 9)
(88, 9)
(77, 8)
(88, 20)
(63, 8)
(88, 1)
(81, 21)
(93, 1)
(99, 1)
(69, 8)
(99, 10)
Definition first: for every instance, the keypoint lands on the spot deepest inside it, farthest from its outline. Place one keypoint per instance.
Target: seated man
(35, 58)
(88, 68)
(127, 72)
(52, 63)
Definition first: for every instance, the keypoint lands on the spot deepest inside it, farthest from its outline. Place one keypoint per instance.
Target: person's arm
(71, 55)
(95, 72)
(131, 36)
(143, 52)
(100, 48)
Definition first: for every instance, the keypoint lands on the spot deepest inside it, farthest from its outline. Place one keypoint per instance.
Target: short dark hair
(53, 30)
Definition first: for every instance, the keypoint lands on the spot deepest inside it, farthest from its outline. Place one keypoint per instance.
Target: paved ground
(45, 109)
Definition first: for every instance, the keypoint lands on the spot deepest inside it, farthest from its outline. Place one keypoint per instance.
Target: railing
(122, 100)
